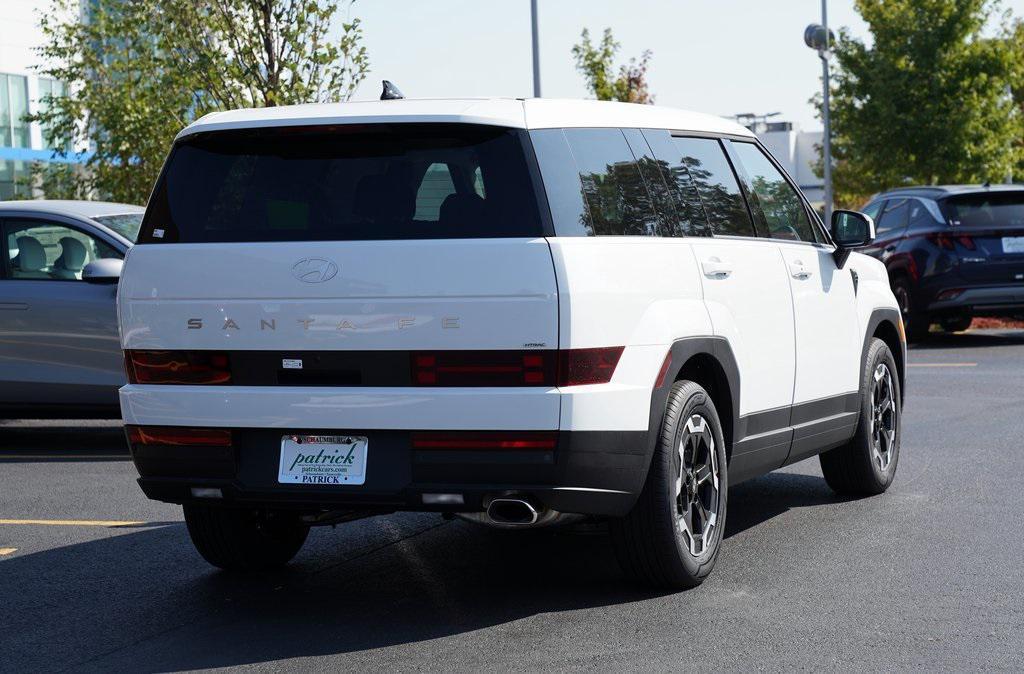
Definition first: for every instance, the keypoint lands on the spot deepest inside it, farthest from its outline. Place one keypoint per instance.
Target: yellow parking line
(7, 551)
(942, 364)
(76, 523)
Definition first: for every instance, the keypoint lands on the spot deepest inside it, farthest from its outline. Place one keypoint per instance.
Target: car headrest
(31, 255)
(72, 255)
(461, 210)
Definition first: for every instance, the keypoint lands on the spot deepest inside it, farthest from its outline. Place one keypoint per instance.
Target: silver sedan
(60, 355)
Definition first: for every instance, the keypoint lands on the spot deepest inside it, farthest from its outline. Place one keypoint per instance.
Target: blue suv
(953, 252)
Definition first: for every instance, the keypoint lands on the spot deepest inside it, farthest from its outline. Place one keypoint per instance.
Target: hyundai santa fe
(953, 252)
(521, 312)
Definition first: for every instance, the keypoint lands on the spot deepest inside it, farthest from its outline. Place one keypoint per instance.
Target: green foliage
(138, 71)
(927, 102)
(595, 63)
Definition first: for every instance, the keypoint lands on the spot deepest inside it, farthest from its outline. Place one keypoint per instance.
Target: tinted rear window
(382, 181)
(995, 209)
(716, 183)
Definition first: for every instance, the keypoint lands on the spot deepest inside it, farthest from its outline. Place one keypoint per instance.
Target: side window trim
(658, 215)
(744, 182)
(4, 256)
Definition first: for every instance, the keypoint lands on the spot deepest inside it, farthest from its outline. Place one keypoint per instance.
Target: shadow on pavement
(61, 443)
(143, 600)
(970, 339)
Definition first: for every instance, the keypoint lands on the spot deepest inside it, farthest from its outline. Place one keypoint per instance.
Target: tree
(596, 66)
(927, 103)
(138, 71)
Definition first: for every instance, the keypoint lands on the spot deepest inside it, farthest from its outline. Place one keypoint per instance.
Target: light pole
(819, 37)
(536, 49)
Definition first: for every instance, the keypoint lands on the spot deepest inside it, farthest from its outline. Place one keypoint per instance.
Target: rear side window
(380, 181)
(894, 217)
(777, 203)
(691, 219)
(594, 184)
(717, 186)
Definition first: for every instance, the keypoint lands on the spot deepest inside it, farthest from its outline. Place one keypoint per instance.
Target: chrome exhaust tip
(512, 511)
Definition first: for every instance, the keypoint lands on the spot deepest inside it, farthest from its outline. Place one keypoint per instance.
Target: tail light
(588, 366)
(441, 440)
(174, 435)
(967, 242)
(943, 241)
(177, 367)
(571, 367)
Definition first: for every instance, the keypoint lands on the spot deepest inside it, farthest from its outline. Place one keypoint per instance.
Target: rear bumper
(996, 300)
(589, 472)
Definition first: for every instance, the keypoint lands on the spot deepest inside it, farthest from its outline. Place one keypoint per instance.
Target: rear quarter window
(358, 182)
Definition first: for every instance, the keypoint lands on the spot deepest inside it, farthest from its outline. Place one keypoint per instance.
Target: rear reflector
(175, 435)
(485, 440)
(177, 367)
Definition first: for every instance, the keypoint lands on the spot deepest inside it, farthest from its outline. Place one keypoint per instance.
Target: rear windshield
(992, 209)
(125, 224)
(381, 181)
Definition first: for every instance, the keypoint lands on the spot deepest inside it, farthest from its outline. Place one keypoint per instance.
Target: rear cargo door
(987, 231)
(363, 237)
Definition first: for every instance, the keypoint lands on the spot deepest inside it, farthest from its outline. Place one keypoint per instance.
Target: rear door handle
(13, 306)
(715, 268)
(798, 271)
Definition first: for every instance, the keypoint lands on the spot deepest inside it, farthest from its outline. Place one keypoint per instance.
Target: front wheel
(672, 536)
(867, 464)
(244, 539)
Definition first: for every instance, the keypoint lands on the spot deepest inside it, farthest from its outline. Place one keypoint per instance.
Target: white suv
(511, 310)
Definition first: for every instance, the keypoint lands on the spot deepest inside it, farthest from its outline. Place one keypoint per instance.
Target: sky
(717, 56)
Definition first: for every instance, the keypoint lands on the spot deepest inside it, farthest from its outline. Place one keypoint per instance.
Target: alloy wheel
(884, 417)
(697, 485)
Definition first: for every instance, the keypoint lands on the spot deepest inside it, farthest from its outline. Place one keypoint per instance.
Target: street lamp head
(814, 37)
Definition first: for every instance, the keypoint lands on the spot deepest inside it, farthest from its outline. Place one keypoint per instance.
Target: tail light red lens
(942, 241)
(177, 367)
(484, 368)
(174, 435)
(441, 440)
(571, 367)
(588, 366)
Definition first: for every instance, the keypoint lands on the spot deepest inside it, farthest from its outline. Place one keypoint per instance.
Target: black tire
(915, 323)
(856, 468)
(244, 540)
(956, 323)
(650, 543)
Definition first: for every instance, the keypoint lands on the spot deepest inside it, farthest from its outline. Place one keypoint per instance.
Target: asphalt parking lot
(927, 576)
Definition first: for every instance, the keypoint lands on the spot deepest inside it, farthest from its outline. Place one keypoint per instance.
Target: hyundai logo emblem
(314, 270)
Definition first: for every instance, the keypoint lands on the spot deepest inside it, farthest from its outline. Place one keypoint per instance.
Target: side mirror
(850, 230)
(107, 270)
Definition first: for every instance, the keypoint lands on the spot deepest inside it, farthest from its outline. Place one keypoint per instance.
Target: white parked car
(512, 310)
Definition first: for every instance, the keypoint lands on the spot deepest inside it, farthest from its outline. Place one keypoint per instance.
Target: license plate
(1013, 244)
(322, 459)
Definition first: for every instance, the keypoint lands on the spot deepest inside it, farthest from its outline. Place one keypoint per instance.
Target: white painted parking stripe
(76, 523)
(7, 551)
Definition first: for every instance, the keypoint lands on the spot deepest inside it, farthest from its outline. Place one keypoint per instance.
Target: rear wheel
(244, 539)
(672, 536)
(916, 323)
(867, 464)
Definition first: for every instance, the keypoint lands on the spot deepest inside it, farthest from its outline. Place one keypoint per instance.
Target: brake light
(942, 241)
(588, 366)
(544, 440)
(484, 368)
(967, 242)
(177, 367)
(174, 435)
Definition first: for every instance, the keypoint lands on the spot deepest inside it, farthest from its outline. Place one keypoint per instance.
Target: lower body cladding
(584, 472)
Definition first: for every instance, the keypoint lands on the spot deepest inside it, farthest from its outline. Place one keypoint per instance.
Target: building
(21, 90)
(795, 149)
